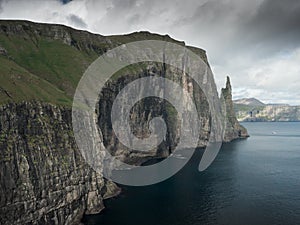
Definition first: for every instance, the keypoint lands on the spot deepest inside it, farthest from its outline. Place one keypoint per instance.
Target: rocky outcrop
(43, 178)
(3, 51)
(234, 130)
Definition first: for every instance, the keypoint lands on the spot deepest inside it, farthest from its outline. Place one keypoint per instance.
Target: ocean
(253, 181)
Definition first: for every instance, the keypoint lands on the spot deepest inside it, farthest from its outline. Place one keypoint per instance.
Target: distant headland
(254, 110)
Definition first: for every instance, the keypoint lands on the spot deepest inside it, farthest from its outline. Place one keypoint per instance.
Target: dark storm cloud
(77, 21)
(273, 24)
(65, 1)
(276, 23)
(277, 16)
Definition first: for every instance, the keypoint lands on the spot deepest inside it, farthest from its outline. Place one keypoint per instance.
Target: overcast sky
(255, 42)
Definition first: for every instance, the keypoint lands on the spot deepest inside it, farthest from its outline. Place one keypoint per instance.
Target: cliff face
(233, 129)
(145, 110)
(43, 178)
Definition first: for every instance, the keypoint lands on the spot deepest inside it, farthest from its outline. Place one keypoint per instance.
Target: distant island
(253, 110)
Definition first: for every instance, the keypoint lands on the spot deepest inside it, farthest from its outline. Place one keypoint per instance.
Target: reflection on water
(254, 181)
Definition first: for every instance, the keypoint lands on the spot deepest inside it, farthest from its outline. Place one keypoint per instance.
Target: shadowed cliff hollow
(43, 178)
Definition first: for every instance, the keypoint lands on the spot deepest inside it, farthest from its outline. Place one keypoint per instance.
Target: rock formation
(233, 129)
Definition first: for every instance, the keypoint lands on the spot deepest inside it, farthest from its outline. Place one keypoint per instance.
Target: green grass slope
(46, 61)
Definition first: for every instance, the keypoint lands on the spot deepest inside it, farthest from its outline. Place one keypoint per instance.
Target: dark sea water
(254, 181)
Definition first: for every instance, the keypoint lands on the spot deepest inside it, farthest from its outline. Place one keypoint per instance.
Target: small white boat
(178, 156)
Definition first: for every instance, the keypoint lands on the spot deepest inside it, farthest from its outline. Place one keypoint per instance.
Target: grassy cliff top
(46, 61)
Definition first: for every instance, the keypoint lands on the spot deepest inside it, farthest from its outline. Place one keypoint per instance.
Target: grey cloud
(122, 15)
(77, 21)
(124, 4)
(1, 2)
(134, 19)
(213, 11)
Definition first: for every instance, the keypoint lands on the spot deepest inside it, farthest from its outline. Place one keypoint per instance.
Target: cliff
(43, 178)
(145, 110)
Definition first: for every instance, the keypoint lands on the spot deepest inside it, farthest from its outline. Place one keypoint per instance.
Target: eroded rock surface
(44, 179)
